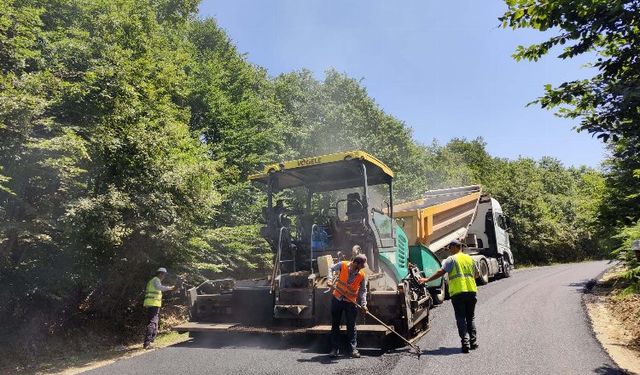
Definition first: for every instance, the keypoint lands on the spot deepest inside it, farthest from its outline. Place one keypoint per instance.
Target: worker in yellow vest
(349, 288)
(152, 303)
(462, 272)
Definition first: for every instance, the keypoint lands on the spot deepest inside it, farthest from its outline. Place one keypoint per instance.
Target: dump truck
(465, 213)
(320, 210)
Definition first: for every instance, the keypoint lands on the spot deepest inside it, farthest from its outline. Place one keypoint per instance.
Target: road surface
(530, 323)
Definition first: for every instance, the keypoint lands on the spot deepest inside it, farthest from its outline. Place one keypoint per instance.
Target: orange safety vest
(343, 288)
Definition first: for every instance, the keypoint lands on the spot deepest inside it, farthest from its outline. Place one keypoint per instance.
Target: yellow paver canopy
(341, 170)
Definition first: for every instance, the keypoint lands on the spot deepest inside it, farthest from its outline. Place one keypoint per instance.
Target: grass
(171, 338)
(520, 266)
(523, 266)
(66, 359)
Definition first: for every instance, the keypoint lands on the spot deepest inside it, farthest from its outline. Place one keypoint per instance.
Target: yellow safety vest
(461, 277)
(152, 296)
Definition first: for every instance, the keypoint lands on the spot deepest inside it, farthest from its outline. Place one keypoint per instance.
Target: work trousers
(151, 330)
(464, 306)
(351, 312)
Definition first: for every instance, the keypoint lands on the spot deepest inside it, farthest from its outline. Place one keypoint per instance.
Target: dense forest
(128, 130)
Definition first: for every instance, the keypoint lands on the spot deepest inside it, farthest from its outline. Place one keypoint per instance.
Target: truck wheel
(438, 298)
(506, 268)
(484, 273)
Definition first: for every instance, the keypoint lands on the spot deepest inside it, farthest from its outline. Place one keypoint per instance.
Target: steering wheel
(332, 208)
(357, 201)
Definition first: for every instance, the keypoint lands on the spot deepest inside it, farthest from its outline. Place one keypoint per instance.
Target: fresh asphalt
(531, 323)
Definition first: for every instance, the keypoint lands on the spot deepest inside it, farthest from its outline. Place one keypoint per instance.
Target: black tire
(506, 268)
(484, 273)
(438, 298)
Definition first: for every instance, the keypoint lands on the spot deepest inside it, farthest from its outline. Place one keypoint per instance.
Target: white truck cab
(488, 240)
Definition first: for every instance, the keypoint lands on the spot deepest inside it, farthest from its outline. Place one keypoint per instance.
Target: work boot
(147, 346)
(333, 353)
(473, 346)
(465, 348)
(355, 354)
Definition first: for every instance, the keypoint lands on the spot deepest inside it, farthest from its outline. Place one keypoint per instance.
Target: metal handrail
(280, 261)
(311, 249)
(277, 261)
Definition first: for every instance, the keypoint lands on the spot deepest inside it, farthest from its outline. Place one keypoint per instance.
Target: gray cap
(161, 269)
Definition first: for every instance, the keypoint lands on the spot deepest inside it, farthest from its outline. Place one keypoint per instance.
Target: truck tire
(438, 298)
(506, 268)
(483, 268)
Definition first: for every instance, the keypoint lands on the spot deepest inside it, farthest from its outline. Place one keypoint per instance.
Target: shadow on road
(273, 342)
(325, 359)
(307, 344)
(609, 370)
(314, 345)
(583, 286)
(442, 351)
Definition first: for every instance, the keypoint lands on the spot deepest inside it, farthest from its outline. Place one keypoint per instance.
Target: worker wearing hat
(350, 288)
(462, 289)
(152, 303)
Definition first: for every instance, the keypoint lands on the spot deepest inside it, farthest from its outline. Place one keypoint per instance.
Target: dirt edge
(609, 330)
(170, 338)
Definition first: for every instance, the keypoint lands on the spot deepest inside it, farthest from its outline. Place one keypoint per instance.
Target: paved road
(531, 323)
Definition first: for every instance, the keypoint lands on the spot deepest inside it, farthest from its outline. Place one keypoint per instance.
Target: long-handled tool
(412, 345)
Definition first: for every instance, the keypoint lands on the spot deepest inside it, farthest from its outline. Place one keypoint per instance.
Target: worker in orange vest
(350, 288)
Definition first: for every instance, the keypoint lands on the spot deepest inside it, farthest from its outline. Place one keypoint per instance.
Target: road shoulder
(167, 339)
(614, 319)
(70, 361)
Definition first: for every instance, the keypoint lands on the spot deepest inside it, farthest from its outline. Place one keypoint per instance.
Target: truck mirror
(635, 247)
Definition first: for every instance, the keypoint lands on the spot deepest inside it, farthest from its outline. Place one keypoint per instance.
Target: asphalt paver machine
(318, 210)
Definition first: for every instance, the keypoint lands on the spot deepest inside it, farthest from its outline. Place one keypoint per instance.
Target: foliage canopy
(607, 104)
(128, 130)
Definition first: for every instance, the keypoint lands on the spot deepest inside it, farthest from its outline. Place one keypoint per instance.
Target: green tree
(128, 130)
(102, 175)
(632, 274)
(607, 104)
(553, 208)
(474, 154)
(235, 112)
(337, 114)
